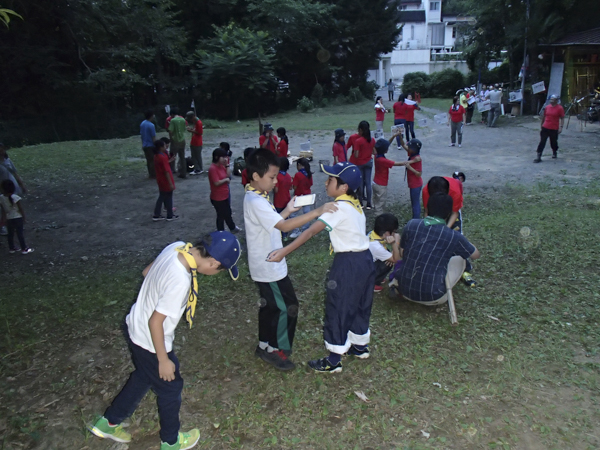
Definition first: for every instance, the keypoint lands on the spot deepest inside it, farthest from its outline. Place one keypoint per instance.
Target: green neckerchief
(433, 221)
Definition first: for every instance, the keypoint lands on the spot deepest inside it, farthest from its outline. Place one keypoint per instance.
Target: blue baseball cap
(382, 146)
(349, 173)
(226, 249)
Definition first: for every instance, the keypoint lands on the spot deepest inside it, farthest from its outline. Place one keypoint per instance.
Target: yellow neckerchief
(261, 193)
(353, 201)
(190, 308)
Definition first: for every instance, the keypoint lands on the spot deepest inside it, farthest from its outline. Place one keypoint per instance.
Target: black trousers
(223, 209)
(15, 226)
(381, 271)
(278, 314)
(544, 135)
(165, 198)
(149, 154)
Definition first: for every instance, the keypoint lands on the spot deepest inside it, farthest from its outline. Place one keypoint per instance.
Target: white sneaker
(295, 234)
(451, 145)
(236, 230)
(460, 145)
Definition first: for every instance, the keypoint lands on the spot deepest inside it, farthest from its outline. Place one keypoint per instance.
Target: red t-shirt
(282, 197)
(410, 112)
(245, 179)
(382, 170)
(282, 148)
(456, 115)
(379, 114)
(351, 140)
(163, 172)
(340, 152)
(455, 192)
(167, 123)
(217, 172)
(400, 110)
(414, 181)
(271, 145)
(552, 116)
(197, 138)
(302, 184)
(365, 151)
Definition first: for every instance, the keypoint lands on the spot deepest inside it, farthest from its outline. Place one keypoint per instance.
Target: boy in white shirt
(384, 243)
(169, 289)
(352, 274)
(278, 312)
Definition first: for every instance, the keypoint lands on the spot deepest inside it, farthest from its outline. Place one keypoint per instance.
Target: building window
(454, 32)
(434, 6)
(412, 32)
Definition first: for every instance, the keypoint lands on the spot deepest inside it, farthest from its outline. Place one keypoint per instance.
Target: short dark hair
(349, 192)
(174, 111)
(385, 222)
(218, 153)
(438, 184)
(158, 146)
(281, 130)
(247, 152)
(440, 205)
(284, 164)
(165, 139)
(148, 114)
(202, 250)
(260, 161)
(224, 145)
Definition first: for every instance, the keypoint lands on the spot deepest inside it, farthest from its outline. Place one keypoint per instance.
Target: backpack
(189, 164)
(238, 166)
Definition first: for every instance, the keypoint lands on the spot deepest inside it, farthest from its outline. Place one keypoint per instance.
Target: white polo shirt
(379, 252)
(347, 228)
(165, 290)
(262, 238)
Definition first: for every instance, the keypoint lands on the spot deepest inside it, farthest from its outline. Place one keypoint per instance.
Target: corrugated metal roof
(414, 15)
(589, 37)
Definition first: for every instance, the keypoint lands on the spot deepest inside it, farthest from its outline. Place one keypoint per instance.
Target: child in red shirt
(244, 174)
(339, 147)
(456, 120)
(164, 179)
(409, 125)
(281, 196)
(382, 174)
(413, 174)
(219, 175)
(302, 183)
(283, 144)
(267, 140)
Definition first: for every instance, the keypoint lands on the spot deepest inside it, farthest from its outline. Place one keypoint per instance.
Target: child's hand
(276, 255)
(328, 208)
(390, 239)
(166, 370)
(290, 206)
(397, 237)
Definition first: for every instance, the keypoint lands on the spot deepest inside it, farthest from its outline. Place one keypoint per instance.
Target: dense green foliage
(442, 84)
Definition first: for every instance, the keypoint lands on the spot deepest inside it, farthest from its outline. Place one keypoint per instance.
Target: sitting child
(385, 246)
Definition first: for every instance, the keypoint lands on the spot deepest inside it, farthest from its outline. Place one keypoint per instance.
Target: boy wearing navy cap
(169, 289)
(352, 275)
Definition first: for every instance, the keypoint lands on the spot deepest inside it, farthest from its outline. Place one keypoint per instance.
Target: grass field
(521, 371)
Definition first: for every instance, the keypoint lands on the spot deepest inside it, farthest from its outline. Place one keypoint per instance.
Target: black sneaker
(323, 365)
(169, 219)
(360, 354)
(157, 218)
(554, 155)
(277, 359)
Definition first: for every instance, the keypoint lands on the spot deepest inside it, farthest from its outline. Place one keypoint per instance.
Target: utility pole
(524, 58)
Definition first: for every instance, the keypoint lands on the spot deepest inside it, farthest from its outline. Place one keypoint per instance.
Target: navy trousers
(142, 379)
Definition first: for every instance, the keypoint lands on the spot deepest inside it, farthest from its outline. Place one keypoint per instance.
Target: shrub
(354, 95)
(416, 82)
(445, 83)
(369, 89)
(317, 95)
(305, 104)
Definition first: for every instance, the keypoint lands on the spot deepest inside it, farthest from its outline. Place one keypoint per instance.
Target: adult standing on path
(482, 96)
(456, 120)
(409, 125)
(379, 113)
(553, 119)
(390, 87)
(195, 127)
(400, 114)
(495, 97)
(177, 129)
(148, 133)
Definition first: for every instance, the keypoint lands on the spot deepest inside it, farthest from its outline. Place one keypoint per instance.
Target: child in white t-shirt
(384, 243)
(278, 312)
(352, 274)
(14, 217)
(169, 290)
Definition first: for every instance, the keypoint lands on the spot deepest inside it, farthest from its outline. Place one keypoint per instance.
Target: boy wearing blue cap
(169, 289)
(352, 275)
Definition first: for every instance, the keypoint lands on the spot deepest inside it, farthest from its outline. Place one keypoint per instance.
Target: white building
(426, 44)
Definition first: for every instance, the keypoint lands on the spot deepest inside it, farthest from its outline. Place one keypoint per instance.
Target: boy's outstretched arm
(279, 254)
(298, 221)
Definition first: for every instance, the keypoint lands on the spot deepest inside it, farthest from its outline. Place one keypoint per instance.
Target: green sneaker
(185, 440)
(102, 429)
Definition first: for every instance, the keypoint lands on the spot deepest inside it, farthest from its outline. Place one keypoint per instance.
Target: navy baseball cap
(382, 145)
(415, 145)
(349, 173)
(226, 249)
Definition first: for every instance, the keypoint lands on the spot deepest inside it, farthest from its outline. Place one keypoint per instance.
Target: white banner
(515, 96)
(484, 106)
(538, 87)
